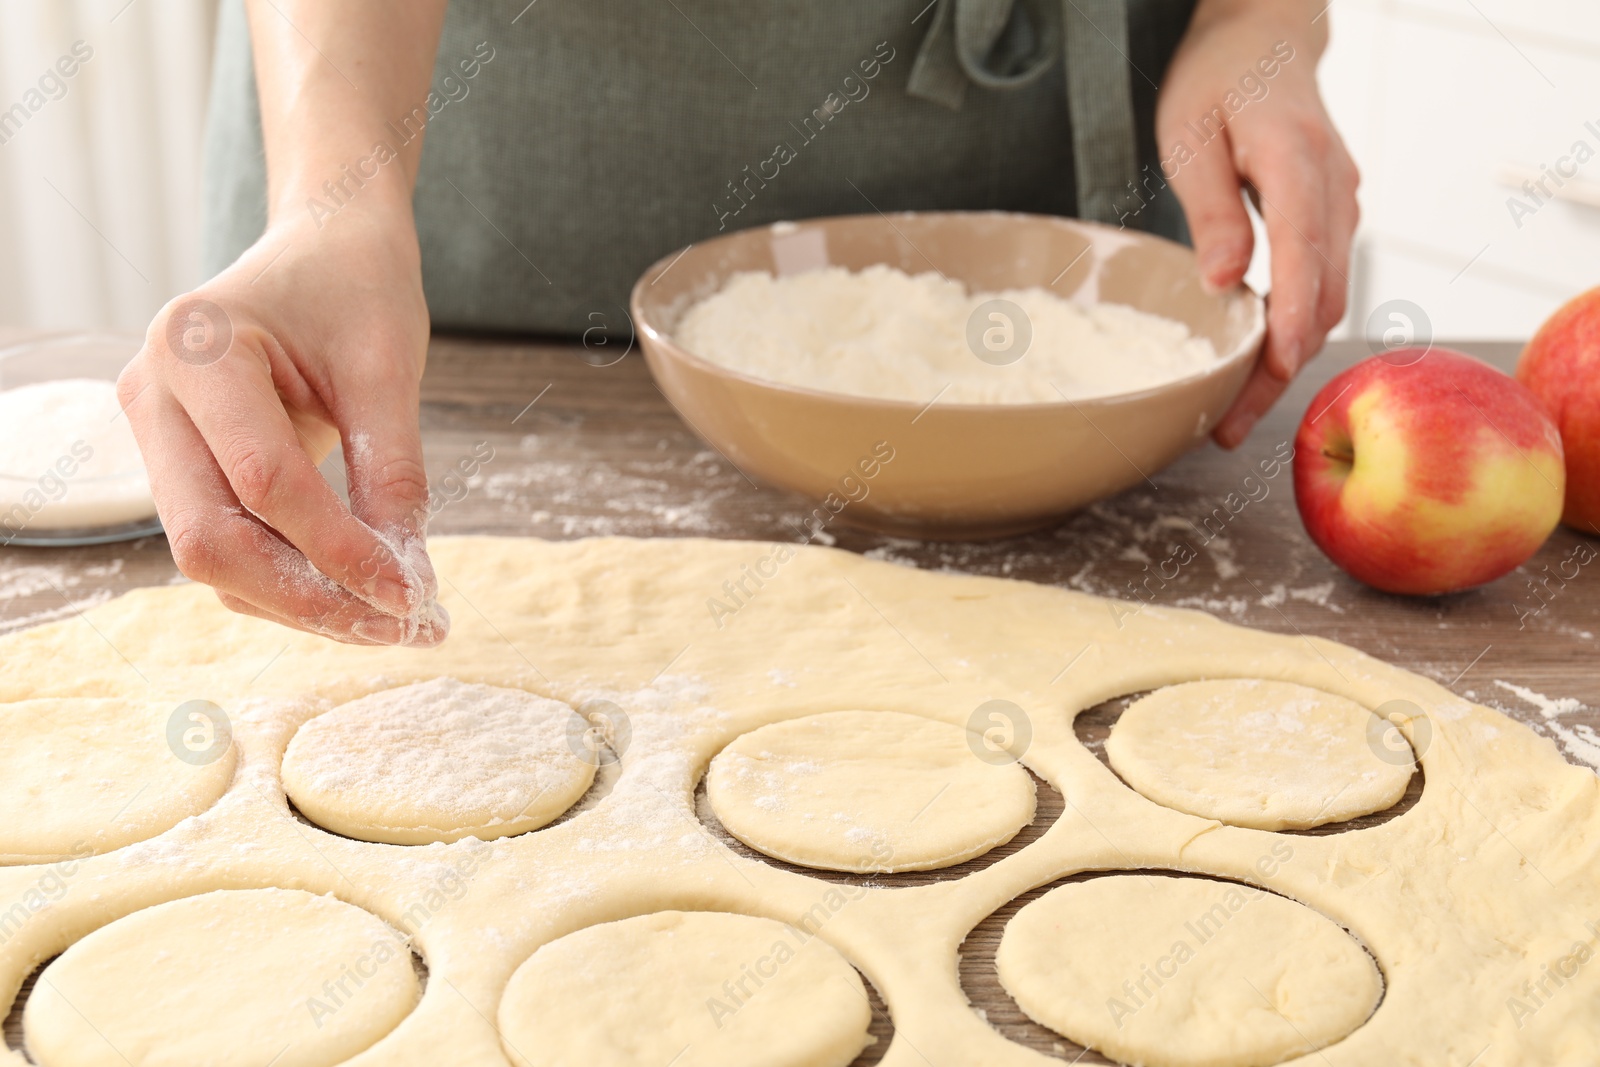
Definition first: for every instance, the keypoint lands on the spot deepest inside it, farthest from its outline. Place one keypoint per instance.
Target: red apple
(1561, 366)
(1427, 471)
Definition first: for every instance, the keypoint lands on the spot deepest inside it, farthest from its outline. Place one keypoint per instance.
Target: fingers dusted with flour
(378, 415)
(234, 404)
(233, 418)
(217, 541)
(245, 385)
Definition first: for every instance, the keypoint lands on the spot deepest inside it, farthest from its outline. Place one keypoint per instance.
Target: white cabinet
(1443, 103)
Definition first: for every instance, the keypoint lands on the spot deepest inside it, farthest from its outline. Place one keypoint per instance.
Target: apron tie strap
(987, 42)
(1003, 44)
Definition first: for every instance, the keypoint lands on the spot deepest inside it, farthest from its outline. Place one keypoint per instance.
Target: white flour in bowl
(884, 333)
(68, 459)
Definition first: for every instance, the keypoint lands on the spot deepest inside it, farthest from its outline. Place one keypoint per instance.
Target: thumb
(1208, 188)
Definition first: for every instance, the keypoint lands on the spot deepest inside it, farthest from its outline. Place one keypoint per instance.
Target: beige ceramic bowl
(958, 470)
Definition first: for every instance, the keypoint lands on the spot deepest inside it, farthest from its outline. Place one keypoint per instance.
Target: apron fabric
(571, 144)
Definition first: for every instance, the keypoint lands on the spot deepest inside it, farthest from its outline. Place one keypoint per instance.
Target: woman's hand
(244, 385)
(1239, 108)
(316, 335)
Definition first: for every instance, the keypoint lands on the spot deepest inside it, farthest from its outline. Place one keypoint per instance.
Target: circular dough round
(1260, 754)
(867, 791)
(232, 978)
(693, 989)
(437, 761)
(82, 776)
(1186, 972)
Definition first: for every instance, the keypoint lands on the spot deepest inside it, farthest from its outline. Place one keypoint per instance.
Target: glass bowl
(56, 505)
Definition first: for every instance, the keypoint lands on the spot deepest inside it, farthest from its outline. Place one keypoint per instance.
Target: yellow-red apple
(1561, 366)
(1427, 471)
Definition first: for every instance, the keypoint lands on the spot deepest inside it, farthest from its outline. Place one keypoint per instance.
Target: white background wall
(1437, 98)
(99, 189)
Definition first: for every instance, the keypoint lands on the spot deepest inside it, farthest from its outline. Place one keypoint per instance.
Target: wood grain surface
(582, 449)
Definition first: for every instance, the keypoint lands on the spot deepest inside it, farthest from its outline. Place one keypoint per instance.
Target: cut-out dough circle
(693, 989)
(437, 761)
(1186, 972)
(867, 791)
(81, 776)
(1261, 754)
(228, 979)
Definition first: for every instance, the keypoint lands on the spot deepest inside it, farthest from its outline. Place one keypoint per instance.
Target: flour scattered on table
(563, 495)
(1581, 741)
(1549, 707)
(1317, 594)
(31, 584)
(884, 333)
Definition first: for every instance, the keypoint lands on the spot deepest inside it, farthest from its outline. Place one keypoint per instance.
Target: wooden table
(582, 449)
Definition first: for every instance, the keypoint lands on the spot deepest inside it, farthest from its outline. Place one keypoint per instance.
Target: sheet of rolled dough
(1477, 903)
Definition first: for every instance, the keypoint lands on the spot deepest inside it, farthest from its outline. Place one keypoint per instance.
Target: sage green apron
(571, 143)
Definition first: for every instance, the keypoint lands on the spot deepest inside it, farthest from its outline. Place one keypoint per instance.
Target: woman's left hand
(1240, 109)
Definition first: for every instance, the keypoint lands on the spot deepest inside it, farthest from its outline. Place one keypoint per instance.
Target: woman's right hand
(317, 334)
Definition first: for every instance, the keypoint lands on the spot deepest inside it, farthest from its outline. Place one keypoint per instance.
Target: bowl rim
(1249, 348)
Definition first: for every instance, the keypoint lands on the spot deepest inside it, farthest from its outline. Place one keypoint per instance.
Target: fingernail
(411, 555)
(382, 629)
(1288, 362)
(431, 630)
(397, 598)
(1212, 264)
(1233, 431)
